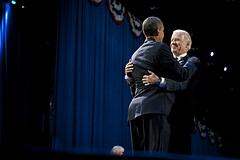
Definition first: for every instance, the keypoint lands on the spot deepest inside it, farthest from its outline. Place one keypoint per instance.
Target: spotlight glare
(212, 54)
(225, 69)
(13, 2)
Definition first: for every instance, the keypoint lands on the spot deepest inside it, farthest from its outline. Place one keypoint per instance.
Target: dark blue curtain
(23, 103)
(91, 96)
(13, 80)
(5, 12)
(203, 146)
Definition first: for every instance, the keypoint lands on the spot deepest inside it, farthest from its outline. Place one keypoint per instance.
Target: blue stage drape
(91, 96)
(23, 104)
(4, 30)
(202, 146)
(13, 83)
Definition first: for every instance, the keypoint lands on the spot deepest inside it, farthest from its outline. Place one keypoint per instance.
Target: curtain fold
(91, 96)
(11, 98)
(13, 80)
(24, 98)
(3, 34)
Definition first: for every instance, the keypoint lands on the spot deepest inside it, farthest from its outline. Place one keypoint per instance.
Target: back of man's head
(150, 26)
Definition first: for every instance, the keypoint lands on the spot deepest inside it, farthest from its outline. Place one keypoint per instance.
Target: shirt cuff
(162, 84)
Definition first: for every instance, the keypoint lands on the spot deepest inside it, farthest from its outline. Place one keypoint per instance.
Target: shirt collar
(181, 56)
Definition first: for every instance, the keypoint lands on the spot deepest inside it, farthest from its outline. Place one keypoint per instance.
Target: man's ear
(187, 45)
(158, 32)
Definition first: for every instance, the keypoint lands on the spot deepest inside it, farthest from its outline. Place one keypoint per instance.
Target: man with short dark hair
(150, 106)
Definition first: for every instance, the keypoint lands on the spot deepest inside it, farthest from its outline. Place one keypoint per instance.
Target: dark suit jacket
(172, 85)
(182, 117)
(183, 107)
(151, 99)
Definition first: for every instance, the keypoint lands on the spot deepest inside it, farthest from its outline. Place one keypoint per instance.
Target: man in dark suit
(150, 106)
(181, 116)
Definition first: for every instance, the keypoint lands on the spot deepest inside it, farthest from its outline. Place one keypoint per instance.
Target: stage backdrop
(91, 96)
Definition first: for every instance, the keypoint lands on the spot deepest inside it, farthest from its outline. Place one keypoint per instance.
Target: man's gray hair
(150, 26)
(186, 36)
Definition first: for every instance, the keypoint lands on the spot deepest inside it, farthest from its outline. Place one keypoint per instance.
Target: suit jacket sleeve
(172, 85)
(130, 82)
(170, 68)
